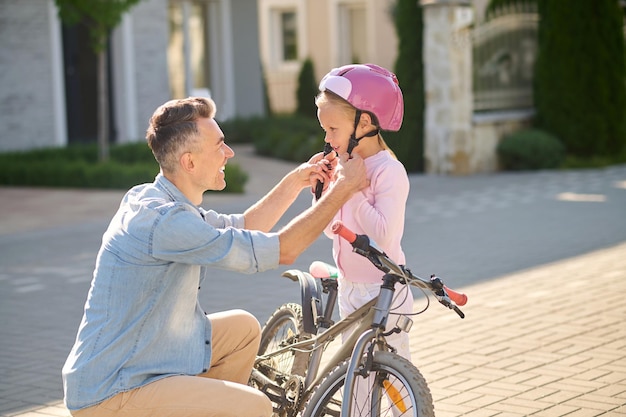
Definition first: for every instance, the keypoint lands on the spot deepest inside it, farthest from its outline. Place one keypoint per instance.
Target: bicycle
(289, 370)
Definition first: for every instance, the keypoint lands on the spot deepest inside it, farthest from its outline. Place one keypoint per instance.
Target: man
(144, 346)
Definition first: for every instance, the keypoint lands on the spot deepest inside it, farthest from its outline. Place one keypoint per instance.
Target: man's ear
(186, 162)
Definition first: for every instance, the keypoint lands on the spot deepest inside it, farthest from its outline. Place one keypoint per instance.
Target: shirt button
(204, 371)
(207, 342)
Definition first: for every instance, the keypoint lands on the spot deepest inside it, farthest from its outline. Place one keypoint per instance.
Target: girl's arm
(384, 218)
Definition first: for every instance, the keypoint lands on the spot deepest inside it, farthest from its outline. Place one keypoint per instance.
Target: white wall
(29, 76)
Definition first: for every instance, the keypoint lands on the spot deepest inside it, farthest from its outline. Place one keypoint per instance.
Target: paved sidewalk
(547, 341)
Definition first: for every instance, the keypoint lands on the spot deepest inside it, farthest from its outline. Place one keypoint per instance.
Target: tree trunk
(103, 107)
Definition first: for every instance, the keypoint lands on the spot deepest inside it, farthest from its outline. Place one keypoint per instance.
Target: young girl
(355, 103)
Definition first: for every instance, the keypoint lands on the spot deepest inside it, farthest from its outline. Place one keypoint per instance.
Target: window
(282, 30)
(188, 48)
(289, 36)
(284, 35)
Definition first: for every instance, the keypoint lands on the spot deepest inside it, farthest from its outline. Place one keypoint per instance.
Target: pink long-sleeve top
(377, 211)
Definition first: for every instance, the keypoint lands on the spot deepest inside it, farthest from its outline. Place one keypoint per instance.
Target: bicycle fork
(379, 321)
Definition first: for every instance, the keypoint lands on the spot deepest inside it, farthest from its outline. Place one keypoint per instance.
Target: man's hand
(326, 165)
(317, 167)
(352, 172)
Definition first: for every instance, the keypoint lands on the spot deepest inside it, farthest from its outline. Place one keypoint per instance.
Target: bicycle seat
(322, 270)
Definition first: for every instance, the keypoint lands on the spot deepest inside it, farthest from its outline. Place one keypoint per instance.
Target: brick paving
(548, 341)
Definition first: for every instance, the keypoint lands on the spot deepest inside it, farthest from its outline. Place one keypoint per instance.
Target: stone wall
(448, 89)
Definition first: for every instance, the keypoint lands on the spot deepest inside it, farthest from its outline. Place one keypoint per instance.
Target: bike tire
(414, 398)
(284, 327)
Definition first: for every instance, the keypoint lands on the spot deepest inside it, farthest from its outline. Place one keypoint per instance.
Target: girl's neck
(368, 146)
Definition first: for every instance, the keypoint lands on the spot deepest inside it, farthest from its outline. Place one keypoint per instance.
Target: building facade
(329, 32)
(162, 49)
(228, 49)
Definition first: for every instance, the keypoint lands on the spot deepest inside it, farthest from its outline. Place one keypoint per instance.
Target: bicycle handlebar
(341, 230)
(459, 299)
(363, 246)
(359, 242)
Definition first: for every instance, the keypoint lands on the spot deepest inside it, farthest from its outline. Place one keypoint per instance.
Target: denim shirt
(142, 319)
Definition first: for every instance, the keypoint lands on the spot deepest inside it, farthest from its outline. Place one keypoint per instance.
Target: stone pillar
(448, 86)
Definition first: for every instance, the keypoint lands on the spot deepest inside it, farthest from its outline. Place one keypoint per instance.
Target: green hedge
(77, 166)
(530, 149)
(580, 89)
(288, 137)
(408, 142)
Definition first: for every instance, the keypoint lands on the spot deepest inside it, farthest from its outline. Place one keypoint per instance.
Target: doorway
(81, 86)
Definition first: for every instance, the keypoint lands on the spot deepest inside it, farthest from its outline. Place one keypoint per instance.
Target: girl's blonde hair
(328, 97)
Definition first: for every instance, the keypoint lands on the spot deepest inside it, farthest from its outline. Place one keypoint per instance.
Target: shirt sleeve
(381, 215)
(223, 220)
(181, 235)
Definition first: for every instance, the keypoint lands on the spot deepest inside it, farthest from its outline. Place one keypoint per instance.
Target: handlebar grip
(459, 299)
(339, 229)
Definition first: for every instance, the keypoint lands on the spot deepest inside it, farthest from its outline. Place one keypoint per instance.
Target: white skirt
(353, 295)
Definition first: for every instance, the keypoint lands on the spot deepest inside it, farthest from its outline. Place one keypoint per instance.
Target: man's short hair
(173, 128)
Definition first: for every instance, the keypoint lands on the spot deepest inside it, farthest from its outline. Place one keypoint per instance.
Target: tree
(100, 17)
(408, 143)
(580, 88)
(306, 91)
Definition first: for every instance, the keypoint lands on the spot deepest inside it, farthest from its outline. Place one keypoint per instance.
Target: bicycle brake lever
(372, 257)
(445, 301)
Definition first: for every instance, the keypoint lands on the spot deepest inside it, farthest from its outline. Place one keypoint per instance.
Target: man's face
(210, 156)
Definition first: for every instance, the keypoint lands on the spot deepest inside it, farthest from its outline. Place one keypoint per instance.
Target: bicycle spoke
(394, 388)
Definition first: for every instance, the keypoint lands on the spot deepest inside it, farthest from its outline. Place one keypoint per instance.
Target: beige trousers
(222, 391)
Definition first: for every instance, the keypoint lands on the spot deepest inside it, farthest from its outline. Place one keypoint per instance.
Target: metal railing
(504, 53)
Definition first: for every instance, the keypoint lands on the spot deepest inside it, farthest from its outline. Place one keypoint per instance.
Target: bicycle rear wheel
(283, 328)
(394, 388)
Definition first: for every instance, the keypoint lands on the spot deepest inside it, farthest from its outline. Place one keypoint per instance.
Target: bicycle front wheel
(394, 388)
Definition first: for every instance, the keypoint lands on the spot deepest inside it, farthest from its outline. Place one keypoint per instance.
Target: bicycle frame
(369, 322)
(361, 317)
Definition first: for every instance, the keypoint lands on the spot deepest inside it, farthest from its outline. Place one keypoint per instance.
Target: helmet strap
(354, 141)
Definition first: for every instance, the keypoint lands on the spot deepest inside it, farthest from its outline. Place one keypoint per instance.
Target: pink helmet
(369, 88)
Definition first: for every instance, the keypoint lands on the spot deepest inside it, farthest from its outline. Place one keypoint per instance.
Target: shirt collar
(171, 190)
